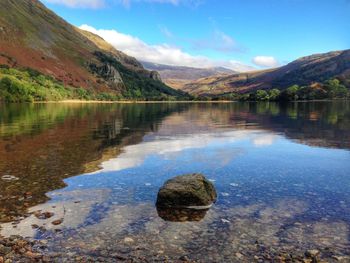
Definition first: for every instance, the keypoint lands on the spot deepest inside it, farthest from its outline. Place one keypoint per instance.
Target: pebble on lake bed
(312, 253)
(128, 240)
(8, 177)
(57, 222)
(44, 215)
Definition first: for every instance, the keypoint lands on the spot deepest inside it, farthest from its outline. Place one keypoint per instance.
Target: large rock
(174, 214)
(155, 75)
(192, 190)
(108, 72)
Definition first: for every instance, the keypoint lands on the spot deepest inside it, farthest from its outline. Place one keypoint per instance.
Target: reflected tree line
(325, 124)
(41, 144)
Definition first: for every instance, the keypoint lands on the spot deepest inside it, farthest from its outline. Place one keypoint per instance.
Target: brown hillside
(178, 76)
(33, 36)
(304, 71)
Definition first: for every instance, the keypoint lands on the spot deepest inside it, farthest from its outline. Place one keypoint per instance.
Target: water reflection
(181, 214)
(42, 149)
(281, 172)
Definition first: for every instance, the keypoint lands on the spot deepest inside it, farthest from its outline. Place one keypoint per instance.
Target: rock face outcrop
(109, 74)
(155, 76)
(186, 191)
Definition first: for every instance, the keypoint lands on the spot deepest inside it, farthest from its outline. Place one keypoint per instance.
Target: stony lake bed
(79, 182)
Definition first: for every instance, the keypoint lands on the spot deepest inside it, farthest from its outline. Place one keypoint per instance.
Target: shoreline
(128, 101)
(160, 102)
(21, 249)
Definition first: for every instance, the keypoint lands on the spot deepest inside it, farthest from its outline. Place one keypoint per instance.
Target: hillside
(304, 71)
(32, 36)
(177, 76)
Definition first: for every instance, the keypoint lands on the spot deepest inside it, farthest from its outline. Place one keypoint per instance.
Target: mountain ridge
(32, 36)
(303, 71)
(178, 76)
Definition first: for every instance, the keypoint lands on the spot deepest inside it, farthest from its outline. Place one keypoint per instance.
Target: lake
(281, 171)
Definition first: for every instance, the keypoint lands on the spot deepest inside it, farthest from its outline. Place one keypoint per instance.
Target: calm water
(282, 173)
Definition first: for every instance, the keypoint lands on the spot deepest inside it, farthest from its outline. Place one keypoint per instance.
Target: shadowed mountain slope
(33, 36)
(304, 71)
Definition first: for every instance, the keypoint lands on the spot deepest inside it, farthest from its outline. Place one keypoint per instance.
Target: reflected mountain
(42, 144)
(323, 124)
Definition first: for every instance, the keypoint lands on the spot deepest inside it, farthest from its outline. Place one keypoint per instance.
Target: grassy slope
(138, 86)
(304, 71)
(35, 37)
(31, 36)
(28, 85)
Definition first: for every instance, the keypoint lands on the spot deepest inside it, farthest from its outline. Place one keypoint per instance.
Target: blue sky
(238, 34)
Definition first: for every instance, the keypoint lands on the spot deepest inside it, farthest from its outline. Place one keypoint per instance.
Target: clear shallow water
(281, 173)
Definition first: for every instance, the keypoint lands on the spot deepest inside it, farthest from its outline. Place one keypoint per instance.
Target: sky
(238, 34)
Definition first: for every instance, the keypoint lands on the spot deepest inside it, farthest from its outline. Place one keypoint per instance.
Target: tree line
(330, 89)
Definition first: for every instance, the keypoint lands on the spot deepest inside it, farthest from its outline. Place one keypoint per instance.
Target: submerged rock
(57, 222)
(172, 214)
(44, 215)
(312, 253)
(187, 191)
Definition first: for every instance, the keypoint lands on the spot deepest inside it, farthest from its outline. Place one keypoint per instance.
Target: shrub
(274, 94)
(261, 95)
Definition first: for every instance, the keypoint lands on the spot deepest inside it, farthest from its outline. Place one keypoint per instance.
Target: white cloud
(168, 146)
(266, 61)
(265, 140)
(161, 53)
(79, 3)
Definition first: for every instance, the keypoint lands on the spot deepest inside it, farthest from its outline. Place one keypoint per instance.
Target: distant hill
(177, 76)
(32, 36)
(304, 71)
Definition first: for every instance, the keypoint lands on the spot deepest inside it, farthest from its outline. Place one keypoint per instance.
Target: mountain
(304, 71)
(32, 36)
(177, 76)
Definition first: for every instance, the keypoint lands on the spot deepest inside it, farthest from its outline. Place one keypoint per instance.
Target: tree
(291, 93)
(274, 94)
(261, 95)
(335, 89)
(244, 97)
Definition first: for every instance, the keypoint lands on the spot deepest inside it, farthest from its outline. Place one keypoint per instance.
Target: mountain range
(304, 71)
(178, 76)
(35, 39)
